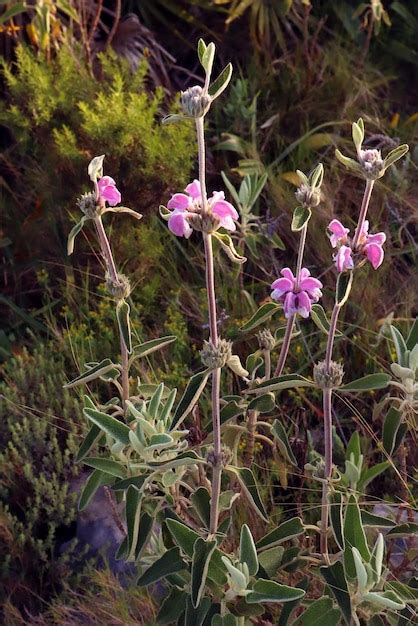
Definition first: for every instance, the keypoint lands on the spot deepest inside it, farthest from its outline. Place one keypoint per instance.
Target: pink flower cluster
(369, 245)
(184, 205)
(108, 191)
(297, 296)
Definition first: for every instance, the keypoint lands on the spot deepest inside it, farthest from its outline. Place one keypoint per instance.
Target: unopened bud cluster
(372, 164)
(307, 196)
(215, 357)
(204, 222)
(224, 457)
(328, 377)
(266, 341)
(119, 289)
(195, 102)
(88, 205)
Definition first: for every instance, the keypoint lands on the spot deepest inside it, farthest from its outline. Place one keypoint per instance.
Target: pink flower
(108, 190)
(296, 298)
(369, 245)
(190, 203)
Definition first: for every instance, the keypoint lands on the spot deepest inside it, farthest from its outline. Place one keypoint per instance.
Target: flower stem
(111, 268)
(331, 334)
(213, 330)
(327, 400)
(363, 212)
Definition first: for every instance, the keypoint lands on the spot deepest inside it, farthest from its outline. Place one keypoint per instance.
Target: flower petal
(178, 224)
(339, 232)
(289, 307)
(375, 254)
(222, 208)
(111, 194)
(179, 201)
(378, 238)
(343, 259)
(193, 189)
(303, 304)
(287, 273)
(280, 287)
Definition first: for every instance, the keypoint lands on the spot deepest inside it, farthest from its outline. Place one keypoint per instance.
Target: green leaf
(285, 531)
(301, 216)
(132, 513)
(361, 573)
(336, 581)
(200, 500)
(270, 561)
(270, 591)
(263, 404)
(94, 481)
(400, 346)
(230, 188)
(386, 599)
(264, 313)
(123, 209)
(319, 318)
(392, 427)
(148, 347)
(201, 49)
(110, 425)
(247, 551)
(19, 7)
(174, 118)
(95, 168)
(336, 517)
(376, 521)
(208, 55)
(185, 538)
(249, 486)
(228, 247)
(412, 339)
(367, 383)
(343, 287)
(354, 537)
(133, 481)
(396, 154)
(353, 448)
(221, 83)
(73, 234)
(367, 475)
(226, 620)
(320, 613)
(196, 616)
(402, 530)
(185, 458)
(282, 441)
(90, 440)
(358, 135)
(191, 395)
(107, 466)
(290, 607)
(146, 523)
(92, 373)
(122, 315)
(169, 563)
(289, 381)
(317, 176)
(172, 607)
(202, 553)
(350, 164)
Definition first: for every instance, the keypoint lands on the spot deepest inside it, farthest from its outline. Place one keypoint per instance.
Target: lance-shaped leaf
(263, 404)
(361, 573)
(169, 563)
(349, 163)
(282, 441)
(393, 430)
(132, 513)
(94, 481)
(320, 613)
(146, 524)
(270, 561)
(354, 537)
(110, 425)
(148, 347)
(95, 168)
(412, 339)
(90, 440)
(319, 317)
(226, 620)
(336, 581)
(123, 209)
(191, 395)
(172, 607)
(264, 313)
(366, 383)
(270, 591)
(200, 500)
(100, 369)
(173, 118)
(285, 531)
(343, 287)
(400, 346)
(73, 234)
(336, 517)
(402, 530)
(196, 616)
(185, 458)
(369, 474)
(228, 247)
(234, 364)
(137, 482)
(247, 551)
(249, 486)
(358, 135)
(122, 314)
(301, 216)
(386, 599)
(202, 553)
(164, 212)
(107, 466)
(396, 154)
(317, 176)
(221, 83)
(289, 381)
(377, 521)
(289, 608)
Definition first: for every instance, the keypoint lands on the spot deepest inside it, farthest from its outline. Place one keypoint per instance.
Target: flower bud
(88, 204)
(372, 164)
(204, 222)
(215, 357)
(194, 102)
(266, 341)
(307, 196)
(120, 289)
(328, 378)
(223, 459)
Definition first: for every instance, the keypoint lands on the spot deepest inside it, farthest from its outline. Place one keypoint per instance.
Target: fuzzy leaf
(227, 246)
(249, 486)
(196, 616)
(123, 209)
(391, 428)
(343, 288)
(234, 364)
(301, 216)
(191, 395)
(172, 607)
(285, 531)
(169, 563)
(90, 440)
(350, 164)
(221, 83)
(148, 347)
(132, 512)
(200, 500)
(336, 517)
(320, 613)
(110, 425)
(95, 168)
(263, 314)
(396, 154)
(270, 591)
(336, 581)
(122, 315)
(289, 381)
(367, 383)
(73, 234)
(263, 404)
(354, 537)
(94, 481)
(100, 369)
(202, 553)
(282, 441)
(247, 551)
(107, 466)
(386, 599)
(319, 318)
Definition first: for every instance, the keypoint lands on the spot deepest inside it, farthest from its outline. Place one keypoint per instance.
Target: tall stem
(363, 212)
(213, 330)
(111, 268)
(302, 242)
(327, 400)
(331, 334)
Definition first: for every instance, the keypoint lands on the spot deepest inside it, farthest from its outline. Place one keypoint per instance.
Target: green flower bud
(194, 102)
(215, 357)
(328, 378)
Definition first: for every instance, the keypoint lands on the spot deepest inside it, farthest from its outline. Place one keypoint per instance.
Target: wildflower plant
(181, 497)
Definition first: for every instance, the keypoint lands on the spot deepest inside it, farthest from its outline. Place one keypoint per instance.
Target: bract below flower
(108, 190)
(296, 296)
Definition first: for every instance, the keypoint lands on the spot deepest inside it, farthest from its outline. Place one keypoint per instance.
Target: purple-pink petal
(110, 194)
(378, 238)
(303, 304)
(179, 225)
(179, 201)
(343, 259)
(287, 273)
(375, 254)
(289, 305)
(339, 232)
(222, 208)
(281, 286)
(193, 189)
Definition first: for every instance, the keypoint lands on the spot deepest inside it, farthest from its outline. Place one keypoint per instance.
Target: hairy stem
(251, 428)
(111, 268)
(327, 399)
(213, 330)
(331, 334)
(363, 212)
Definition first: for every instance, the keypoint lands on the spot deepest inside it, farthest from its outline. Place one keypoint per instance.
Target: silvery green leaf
(400, 346)
(303, 178)
(376, 560)
(247, 551)
(317, 176)
(173, 118)
(122, 209)
(360, 570)
(110, 425)
(132, 516)
(228, 246)
(221, 83)
(270, 591)
(95, 168)
(107, 466)
(350, 164)
(319, 318)
(366, 383)
(194, 388)
(343, 288)
(288, 381)
(93, 372)
(264, 313)
(285, 531)
(164, 212)
(234, 364)
(148, 347)
(237, 577)
(395, 154)
(208, 58)
(386, 599)
(73, 234)
(122, 315)
(354, 536)
(301, 216)
(281, 438)
(169, 563)
(202, 554)
(358, 135)
(249, 486)
(94, 481)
